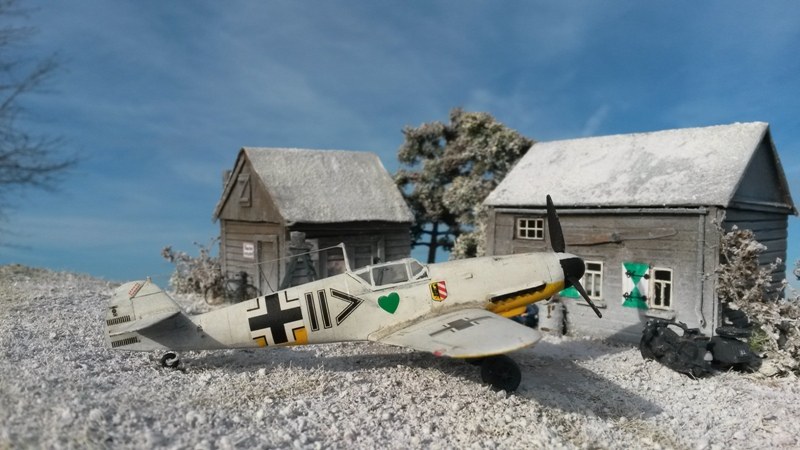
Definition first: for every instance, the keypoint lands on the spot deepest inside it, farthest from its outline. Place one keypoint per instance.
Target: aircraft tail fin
(134, 307)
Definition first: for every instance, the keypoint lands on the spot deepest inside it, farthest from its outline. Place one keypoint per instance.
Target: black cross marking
(275, 318)
(355, 302)
(459, 324)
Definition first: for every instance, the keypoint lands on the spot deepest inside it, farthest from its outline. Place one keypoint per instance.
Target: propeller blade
(554, 226)
(577, 285)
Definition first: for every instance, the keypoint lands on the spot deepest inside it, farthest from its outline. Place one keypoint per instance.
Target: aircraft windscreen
(390, 274)
(417, 270)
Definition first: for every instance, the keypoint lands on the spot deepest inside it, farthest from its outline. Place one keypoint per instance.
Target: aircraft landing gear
(170, 360)
(501, 372)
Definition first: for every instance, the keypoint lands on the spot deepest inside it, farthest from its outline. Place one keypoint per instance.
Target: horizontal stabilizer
(468, 333)
(138, 305)
(140, 324)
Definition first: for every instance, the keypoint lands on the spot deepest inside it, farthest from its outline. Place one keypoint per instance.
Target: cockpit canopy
(395, 272)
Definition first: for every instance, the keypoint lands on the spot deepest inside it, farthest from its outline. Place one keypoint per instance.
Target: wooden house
(642, 209)
(331, 196)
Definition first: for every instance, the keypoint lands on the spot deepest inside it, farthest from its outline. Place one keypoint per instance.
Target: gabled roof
(324, 186)
(672, 168)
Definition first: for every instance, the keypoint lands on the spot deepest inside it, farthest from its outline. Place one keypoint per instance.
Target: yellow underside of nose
(515, 306)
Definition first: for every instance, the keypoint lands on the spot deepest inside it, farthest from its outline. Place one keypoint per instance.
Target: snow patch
(72, 391)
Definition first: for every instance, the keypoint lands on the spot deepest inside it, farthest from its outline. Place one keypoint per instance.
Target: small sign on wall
(248, 250)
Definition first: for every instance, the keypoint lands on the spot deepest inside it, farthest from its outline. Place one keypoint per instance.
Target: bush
(194, 274)
(742, 284)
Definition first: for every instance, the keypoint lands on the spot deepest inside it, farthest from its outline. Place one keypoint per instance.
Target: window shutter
(635, 284)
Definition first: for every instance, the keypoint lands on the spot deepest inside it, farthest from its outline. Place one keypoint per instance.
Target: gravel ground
(60, 387)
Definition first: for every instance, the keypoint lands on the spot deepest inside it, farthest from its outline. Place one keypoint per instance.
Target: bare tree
(27, 159)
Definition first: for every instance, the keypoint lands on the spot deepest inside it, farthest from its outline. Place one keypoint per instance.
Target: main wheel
(501, 372)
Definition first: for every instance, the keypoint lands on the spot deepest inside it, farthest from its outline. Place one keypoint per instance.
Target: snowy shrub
(742, 284)
(194, 274)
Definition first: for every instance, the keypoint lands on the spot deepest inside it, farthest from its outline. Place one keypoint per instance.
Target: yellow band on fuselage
(509, 307)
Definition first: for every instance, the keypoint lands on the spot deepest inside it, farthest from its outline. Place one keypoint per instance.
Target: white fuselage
(366, 304)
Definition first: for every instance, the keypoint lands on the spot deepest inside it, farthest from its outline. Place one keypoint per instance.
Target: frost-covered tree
(744, 285)
(448, 170)
(195, 274)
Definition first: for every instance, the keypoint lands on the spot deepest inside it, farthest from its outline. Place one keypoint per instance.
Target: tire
(170, 360)
(501, 372)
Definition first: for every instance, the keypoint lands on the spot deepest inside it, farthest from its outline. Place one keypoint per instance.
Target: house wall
(269, 243)
(364, 241)
(762, 204)
(248, 199)
(265, 241)
(669, 239)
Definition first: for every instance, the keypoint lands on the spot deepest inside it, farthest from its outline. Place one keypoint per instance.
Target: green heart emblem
(389, 303)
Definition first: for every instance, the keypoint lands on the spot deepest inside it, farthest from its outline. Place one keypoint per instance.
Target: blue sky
(157, 97)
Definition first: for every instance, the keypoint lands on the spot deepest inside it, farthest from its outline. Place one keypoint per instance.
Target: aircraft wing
(468, 333)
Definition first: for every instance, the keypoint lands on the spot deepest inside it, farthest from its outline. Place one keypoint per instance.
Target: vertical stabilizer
(133, 307)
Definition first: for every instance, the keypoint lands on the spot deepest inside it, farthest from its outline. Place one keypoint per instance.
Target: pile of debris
(686, 350)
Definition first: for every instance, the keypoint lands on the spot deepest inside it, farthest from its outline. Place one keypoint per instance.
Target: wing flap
(468, 333)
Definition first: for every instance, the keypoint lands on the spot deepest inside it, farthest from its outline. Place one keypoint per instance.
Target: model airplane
(458, 309)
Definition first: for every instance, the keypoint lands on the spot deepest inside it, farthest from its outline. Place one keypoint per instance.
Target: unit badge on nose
(438, 290)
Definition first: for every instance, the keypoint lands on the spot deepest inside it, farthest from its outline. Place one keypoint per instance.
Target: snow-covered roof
(682, 167)
(326, 186)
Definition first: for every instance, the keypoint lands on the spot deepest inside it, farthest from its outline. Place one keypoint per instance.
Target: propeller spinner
(572, 266)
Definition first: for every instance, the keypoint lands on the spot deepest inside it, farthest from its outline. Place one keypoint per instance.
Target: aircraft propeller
(573, 267)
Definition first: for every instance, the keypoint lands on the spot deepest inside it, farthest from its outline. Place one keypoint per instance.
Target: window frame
(597, 280)
(657, 285)
(537, 228)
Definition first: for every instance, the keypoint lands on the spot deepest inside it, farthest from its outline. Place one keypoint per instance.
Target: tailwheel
(501, 372)
(171, 360)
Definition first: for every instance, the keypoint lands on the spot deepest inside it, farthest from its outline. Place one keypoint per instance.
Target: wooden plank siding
(364, 243)
(248, 186)
(363, 248)
(681, 251)
(234, 235)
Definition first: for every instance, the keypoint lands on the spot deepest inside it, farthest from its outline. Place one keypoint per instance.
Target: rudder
(133, 307)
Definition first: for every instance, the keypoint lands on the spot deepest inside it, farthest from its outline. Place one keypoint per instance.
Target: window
(661, 289)
(530, 228)
(593, 280)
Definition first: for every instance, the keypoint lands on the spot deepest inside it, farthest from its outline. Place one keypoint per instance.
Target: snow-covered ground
(61, 387)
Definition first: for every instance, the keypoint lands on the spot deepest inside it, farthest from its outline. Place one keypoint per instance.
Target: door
(268, 267)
